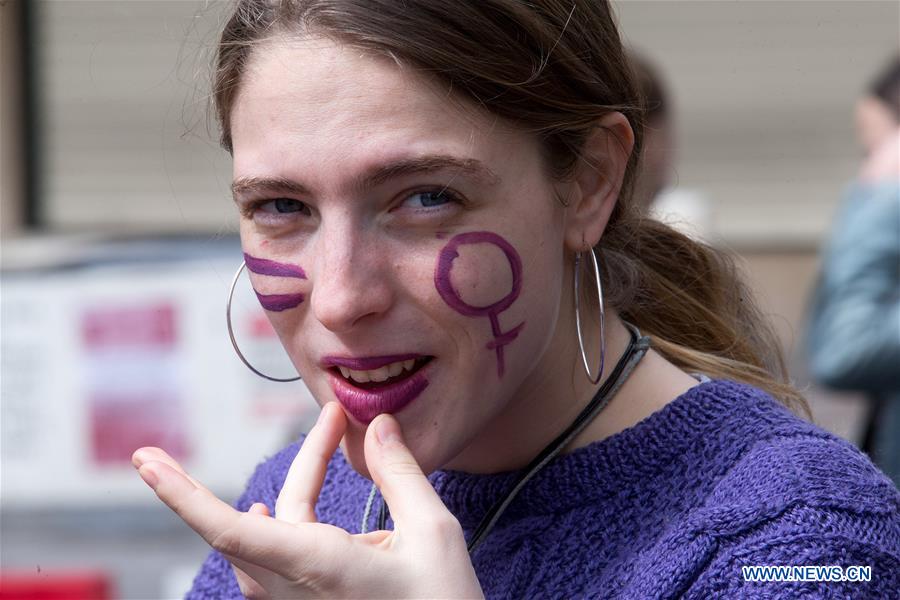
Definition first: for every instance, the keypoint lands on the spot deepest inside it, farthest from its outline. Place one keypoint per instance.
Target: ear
(597, 181)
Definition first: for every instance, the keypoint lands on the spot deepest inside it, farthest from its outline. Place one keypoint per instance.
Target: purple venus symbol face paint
(451, 296)
(275, 302)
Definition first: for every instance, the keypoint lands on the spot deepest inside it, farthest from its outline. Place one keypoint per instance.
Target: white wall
(764, 92)
(124, 116)
(11, 172)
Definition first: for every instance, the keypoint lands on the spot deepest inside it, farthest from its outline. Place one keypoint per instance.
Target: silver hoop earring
(231, 331)
(593, 379)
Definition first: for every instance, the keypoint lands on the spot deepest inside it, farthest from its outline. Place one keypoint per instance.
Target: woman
(854, 329)
(420, 187)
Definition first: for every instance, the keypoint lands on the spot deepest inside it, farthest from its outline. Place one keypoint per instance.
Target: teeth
(361, 376)
(378, 375)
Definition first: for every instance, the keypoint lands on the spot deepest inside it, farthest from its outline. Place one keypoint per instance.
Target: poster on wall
(99, 361)
(133, 389)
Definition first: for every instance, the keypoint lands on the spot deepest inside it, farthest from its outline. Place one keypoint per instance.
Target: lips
(369, 386)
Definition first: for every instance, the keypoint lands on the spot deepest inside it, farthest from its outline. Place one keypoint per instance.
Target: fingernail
(149, 477)
(387, 430)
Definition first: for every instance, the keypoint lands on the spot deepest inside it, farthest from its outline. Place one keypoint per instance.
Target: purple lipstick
(365, 400)
(368, 363)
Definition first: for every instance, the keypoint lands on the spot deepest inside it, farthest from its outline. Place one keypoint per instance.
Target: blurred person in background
(686, 210)
(657, 166)
(435, 209)
(854, 329)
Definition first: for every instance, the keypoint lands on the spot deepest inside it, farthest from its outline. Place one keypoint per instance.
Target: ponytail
(690, 300)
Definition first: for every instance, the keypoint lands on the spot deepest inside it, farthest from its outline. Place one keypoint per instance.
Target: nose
(352, 281)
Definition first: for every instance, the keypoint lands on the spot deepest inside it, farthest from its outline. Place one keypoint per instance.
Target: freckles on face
(275, 302)
(473, 280)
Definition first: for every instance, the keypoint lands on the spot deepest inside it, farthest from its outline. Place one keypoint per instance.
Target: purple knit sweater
(720, 478)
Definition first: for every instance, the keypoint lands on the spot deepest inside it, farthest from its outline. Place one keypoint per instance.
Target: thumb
(413, 502)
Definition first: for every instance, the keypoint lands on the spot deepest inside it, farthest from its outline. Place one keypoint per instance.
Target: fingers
(413, 502)
(255, 539)
(249, 587)
(149, 453)
(297, 501)
(198, 507)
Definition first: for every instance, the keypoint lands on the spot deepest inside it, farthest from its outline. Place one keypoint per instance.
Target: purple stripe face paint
(275, 302)
(261, 266)
(451, 296)
(279, 302)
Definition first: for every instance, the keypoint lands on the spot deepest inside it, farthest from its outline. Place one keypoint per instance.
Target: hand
(294, 556)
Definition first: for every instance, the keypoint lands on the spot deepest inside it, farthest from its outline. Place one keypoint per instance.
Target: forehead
(315, 97)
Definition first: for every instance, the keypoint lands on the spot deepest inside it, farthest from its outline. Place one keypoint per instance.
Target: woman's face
(874, 123)
(407, 245)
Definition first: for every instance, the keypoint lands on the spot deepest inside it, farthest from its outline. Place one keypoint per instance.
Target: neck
(548, 400)
(548, 403)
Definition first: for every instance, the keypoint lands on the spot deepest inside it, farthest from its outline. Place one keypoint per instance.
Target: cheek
(279, 285)
(481, 275)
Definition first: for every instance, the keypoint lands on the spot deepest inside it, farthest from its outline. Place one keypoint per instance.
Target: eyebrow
(246, 185)
(377, 176)
(429, 164)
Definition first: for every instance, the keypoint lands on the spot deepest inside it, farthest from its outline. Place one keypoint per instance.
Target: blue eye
(429, 199)
(284, 206)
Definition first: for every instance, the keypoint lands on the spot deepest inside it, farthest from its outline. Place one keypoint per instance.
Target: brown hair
(886, 86)
(651, 85)
(552, 67)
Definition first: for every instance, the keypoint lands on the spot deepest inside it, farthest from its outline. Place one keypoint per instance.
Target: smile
(367, 387)
(378, 375)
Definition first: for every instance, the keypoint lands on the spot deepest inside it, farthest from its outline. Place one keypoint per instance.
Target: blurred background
(119, 244)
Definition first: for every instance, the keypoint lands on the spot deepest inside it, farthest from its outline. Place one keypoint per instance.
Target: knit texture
(720, 478)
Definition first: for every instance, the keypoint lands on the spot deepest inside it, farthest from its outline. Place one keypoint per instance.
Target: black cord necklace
(637, 348)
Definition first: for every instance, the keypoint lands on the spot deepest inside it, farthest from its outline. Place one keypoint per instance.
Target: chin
(423, 450)
(353, 448)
